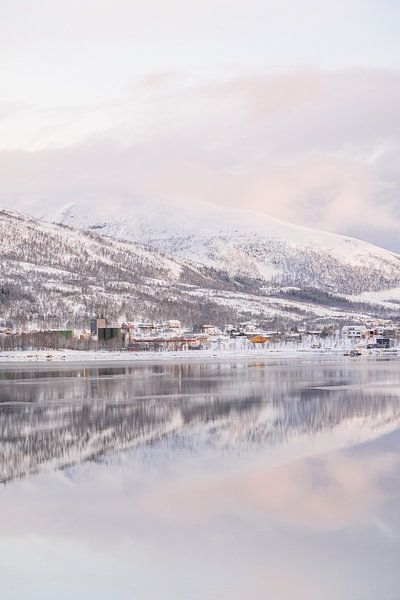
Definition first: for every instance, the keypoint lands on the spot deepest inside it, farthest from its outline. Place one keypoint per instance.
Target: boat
(353, 353)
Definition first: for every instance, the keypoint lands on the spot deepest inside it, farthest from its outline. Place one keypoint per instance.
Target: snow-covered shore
(75, 356)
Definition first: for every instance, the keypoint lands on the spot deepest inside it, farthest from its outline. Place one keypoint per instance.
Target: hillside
(242, 243)
(53, 275)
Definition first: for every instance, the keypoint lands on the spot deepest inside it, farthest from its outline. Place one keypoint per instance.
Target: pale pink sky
(289, 108)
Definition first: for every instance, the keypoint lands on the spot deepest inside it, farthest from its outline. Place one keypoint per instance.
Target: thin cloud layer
(309, 146)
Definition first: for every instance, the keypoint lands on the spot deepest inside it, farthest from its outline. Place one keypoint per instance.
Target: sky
(287, 107)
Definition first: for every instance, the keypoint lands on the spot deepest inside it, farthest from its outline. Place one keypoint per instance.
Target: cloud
(319, 148)
(323, 494)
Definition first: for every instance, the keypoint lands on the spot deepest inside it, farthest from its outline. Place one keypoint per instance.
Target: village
(372, 337)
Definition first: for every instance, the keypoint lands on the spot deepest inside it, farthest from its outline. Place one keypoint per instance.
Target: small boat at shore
(353, 353)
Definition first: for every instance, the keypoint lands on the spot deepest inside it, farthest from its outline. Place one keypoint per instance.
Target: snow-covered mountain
(53, 275)
(241, 242)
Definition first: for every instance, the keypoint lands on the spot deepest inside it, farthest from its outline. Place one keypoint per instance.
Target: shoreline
(76, 358)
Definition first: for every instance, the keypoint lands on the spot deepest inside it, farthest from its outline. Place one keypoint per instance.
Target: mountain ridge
(54, 275)
(243, 243)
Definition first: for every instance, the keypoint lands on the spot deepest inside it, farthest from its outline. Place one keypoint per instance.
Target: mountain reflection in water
(216, 481)
(53, 418)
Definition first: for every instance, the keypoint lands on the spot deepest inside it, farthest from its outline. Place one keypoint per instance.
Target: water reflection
(219, 481)
(50, 419)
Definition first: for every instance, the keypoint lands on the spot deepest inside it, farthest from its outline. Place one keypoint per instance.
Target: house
(146, 328)
(210, 329)
(174, 324)
(354, 332)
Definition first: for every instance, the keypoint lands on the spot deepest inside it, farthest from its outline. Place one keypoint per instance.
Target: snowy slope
(240, 242)
(55, 276)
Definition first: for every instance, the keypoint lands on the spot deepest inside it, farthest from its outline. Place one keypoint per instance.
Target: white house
(354, 331)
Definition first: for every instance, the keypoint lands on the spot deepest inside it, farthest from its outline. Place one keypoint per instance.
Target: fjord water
(222, 481)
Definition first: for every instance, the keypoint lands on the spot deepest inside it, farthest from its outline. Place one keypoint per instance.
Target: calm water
(209, 481)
